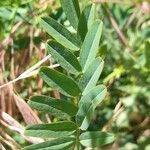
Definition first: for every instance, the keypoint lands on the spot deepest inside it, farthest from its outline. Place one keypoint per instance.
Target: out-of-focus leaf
(96, 139)
(91, 75)
(64, 57)
(57, 144)
(58, 108)
(72, 11)
(60, 33)
(5, 13)
(22, 43)
(59, 81)
(86, 20)
(90, 45)
(52, 130)
(87, 105)
(28, 114)
(17, 127)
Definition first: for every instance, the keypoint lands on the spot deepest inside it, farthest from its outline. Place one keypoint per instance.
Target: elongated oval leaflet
(60, 33)
(87, 105)
(59, 81)
(64, 57)
(56, 144)
(91, 75)
(72, 11)
(90, 45)
(96, 139)
(94, 94)
(52, 130)
(57, 108)
(86, 20)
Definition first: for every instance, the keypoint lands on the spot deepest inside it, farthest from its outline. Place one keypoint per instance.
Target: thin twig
(30, 72)
(9, 139)
(35, 66)
(118, 109)
(8, 143)
(2, 147)
(116, 27)
(131, 18)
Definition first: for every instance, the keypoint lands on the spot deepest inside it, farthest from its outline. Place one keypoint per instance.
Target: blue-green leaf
(56, 144)
(91, 75)
(86, 20)
(87, 105)
(57, 108)
(60, 33)
(64, 57)
(90, 45)
(59, 81)
(72, 11)
(52, 130)
(96, 139)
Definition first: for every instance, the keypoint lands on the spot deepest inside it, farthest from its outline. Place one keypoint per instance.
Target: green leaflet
(72, 11)
(96, 139)
(57, 108)
(59, 81)
(86, 20)
(60, 33)
(64, 57)
(91, 75)
(56, 144)
(87, 105)
(90, 45)
(52, 130)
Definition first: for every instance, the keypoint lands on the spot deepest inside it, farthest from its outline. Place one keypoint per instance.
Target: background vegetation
(124, 46)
